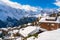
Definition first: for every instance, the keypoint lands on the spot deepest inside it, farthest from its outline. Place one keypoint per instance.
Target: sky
(38, 3)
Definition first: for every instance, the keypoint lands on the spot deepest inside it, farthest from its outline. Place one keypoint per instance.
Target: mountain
(13, 10)
(14, 14)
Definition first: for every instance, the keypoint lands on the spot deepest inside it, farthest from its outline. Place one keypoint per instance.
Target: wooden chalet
(50, 23)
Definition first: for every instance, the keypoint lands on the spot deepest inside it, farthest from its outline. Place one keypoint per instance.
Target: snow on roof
(50, 17)
(42, 29)
(9, 28)
(15, 31)
(10, 32)
(44, 20)
(49, 35)
(29, 23)
(19, 38)
(5, 29)
(19, 26)
(14, 27)
(8, 37)
(0, 38)
(25, 31)
(31, 38)
(45, 14)
(0, 32)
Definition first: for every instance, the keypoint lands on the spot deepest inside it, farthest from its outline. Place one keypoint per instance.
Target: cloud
(3, 0)
(57, 3)
(19, 6)
(28, 7)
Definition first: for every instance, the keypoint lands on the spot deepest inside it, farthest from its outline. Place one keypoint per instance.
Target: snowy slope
(50, 35)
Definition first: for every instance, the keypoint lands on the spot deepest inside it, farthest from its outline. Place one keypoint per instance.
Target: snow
(5, 29)
(51, 18)
(49, 35)
(19, 38)
(19, 27)
(8, 37)
(14, 10)
(0, 38)
(44, 20)
(0, 32)
(42, 29)
(58, 9)
(14, 27)
(15, 31)
(17, 10)
(10, 32)
(29, 30)
(29, 23)
(31, 38)
(38, 15)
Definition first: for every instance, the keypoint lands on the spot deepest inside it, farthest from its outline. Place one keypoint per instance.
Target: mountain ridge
(12, 12)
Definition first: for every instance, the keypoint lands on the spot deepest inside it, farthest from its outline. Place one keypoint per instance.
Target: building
(30, 30)
(49, 23)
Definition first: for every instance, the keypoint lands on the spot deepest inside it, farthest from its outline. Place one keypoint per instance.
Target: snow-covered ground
(50, 35)
(46, 35)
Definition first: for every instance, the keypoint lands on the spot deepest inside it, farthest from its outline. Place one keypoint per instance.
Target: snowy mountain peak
(14, 10)
(18, 6)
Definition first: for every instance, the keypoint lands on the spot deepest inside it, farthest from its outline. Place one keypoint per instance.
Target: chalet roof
(50, 17)
(5, 29)
(26, 31)
(44, 20)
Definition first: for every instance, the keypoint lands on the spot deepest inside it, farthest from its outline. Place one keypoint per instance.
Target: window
(52, 24)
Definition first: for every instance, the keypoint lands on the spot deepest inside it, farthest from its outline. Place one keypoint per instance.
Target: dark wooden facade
(49, 26)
